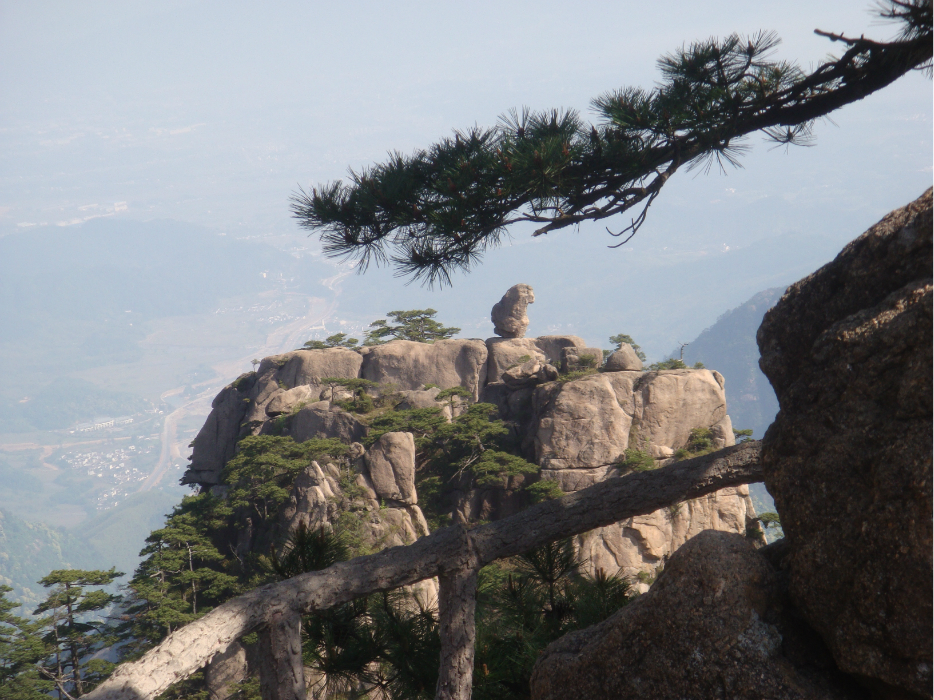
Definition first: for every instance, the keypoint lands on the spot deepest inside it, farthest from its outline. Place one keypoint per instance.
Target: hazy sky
(214, 112)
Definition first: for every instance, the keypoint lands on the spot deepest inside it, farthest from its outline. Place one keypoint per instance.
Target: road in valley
(281, 339)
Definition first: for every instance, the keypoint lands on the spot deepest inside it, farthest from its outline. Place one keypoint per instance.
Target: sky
(214, 113)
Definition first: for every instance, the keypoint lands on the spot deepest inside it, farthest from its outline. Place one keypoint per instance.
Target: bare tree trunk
(457, 603)
(281, 672)
(192, 646)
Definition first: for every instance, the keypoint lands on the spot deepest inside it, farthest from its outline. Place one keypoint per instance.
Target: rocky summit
(577, 420)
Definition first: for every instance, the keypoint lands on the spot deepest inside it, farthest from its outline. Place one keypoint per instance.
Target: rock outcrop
(391, 464)
(623, 360)
(848, 458)
(508, 315)
(714, 625)
(216, 442)
(410, 365)
(577, 429)
(591, 422)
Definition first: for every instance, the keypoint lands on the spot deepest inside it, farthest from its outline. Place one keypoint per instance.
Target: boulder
(411, 365)
(642, 544)
(848, 458)
(391, 465)
(312, 501)
(714, 625)
(508, 314)
(623, 360)
(216, 442)
(529, 374)
(589, 422)
(287, 401)
(575, 359)
(552, 345)
(506, 353)
(319, 420)
(263, 391)
(310, 366)
(419, 399)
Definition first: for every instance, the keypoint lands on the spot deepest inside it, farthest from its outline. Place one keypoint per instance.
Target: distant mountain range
(729, 346)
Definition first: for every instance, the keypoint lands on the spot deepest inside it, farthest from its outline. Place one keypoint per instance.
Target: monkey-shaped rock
(508, 315)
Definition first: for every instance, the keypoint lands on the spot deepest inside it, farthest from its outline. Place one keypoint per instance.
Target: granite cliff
(574, 417)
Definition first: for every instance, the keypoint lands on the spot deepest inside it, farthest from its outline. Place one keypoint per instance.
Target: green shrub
(544, 490)
(636, 460)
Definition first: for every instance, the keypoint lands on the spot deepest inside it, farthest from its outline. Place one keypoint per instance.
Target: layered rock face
(848, 459)
(714, 625)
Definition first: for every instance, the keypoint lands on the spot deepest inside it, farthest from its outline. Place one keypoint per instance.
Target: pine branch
(440, 209)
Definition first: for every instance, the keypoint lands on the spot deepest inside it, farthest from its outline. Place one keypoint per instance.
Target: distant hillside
(29, 551)
(729, 346)
(85, 296)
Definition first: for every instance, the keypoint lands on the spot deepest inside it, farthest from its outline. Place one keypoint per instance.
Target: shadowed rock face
(714, 625)
(848, 458)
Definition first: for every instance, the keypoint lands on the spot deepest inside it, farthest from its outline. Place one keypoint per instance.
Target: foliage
(637, 460)
(307, 550)
(439, 209)
(528, 603)
(338, 340)
(577, 374)
(670, 363)
(452, 393)
(621, 338)
(416, 324)
(421, 422)
(262, 472)
(71, 632)
(21, 649)
(742, 435)
(544, 490)
(699, 443)
(181, 577)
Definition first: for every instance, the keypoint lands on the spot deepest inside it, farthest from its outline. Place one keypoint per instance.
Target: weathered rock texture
(590, 422)
(216, 442)
(714, 625)
(848, 459)
(623, 360)
(580, 434)
(508, 314)
(576, 431)
(644, 543)
(391, 463)
(411, 365)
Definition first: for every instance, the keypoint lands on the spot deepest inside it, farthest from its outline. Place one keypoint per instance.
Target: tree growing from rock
(416, 324)
(621, 338)
(438, 210)
(338, 340)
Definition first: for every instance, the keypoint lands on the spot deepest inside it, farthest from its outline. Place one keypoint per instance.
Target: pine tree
(416, 324)
(71, 630)
(439, 209)
(22, 648)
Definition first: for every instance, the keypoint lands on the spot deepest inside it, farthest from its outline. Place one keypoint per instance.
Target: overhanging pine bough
(438, 210)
